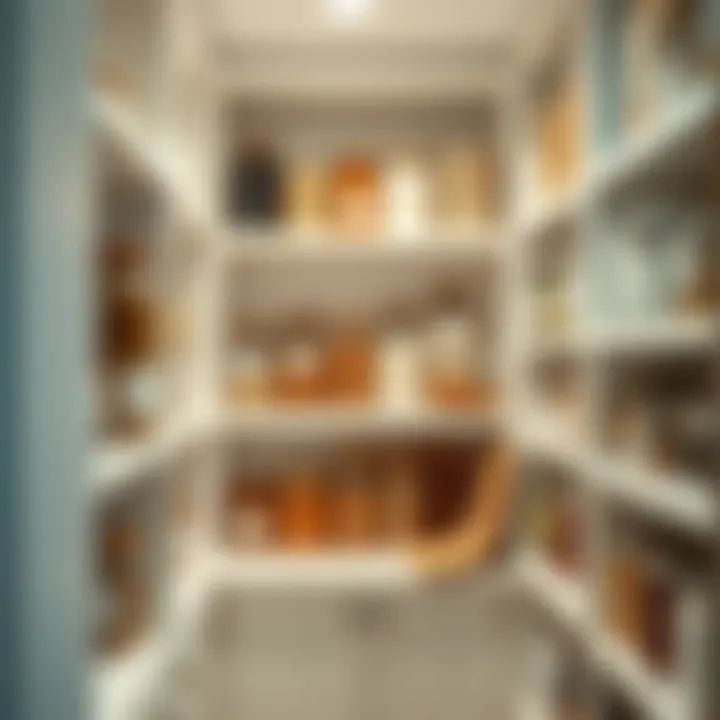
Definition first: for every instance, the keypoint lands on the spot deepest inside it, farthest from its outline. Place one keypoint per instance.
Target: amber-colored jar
(625, 599)
(401, 511)
(447, 486)
(248, 371)
(355, 197)
(307, 196)
(298, 365)
(567, 543)
(465, 187)
(350, 372)
(356, 511)
(252, 508)
(127, 607)
(451, 378)
(303, 510)
(659, 627)
(130, 335)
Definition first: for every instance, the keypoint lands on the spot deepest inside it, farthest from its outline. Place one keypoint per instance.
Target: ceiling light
(348, 8)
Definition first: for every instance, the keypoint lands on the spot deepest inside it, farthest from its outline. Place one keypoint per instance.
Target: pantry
(405, 380)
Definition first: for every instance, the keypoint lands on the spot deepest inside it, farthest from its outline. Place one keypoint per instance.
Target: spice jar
(465, 190)
(355, 508)
(255, 192)
(399, 366)
(130, 340)
(251, 506)
(248, 372)
(298, 361)
(307, 196)
(401, 496)
(625, 601)
(125, 593)
(303, 510)
(350, 374)
(450, 371)
(407, 199)
(355, 197)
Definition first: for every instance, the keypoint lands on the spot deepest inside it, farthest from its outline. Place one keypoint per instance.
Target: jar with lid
(248, 372)
(298, 367)
(306, 198)
(131, 340)
(303, 509)
(465, 190)
(255, 182)
(124, 588)
(355, 197)
(401, 495)
(399, 368)
(251, 507)
(407, 199)
(451, 378)
(350, 360)
(356, 511)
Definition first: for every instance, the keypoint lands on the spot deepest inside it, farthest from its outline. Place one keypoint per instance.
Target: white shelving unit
(677, 502)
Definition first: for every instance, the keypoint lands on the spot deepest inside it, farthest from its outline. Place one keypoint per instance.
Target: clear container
(407, 200)
(248, 371)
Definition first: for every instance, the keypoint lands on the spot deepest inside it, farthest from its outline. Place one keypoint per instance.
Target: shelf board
(652, 148)
(674, 498)
(310, 424)
(660, 337)
(148, 154)
(547, 215)
(336, 570)
(120, 684)
(117, 465)
(656, 697)
(558, 594)
(290, 247)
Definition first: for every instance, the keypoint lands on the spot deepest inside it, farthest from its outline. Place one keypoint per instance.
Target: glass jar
(450, 366)
(248, 365)
(298, 370)
(307, 197)
(350, 361)
(399, 367)
(355, 507)
(255, 183)
(133, 382)
(124, 586)
(465, 192)
(407, 200)
(401, 496)
(303, 515)
(355, 197)
(252, 506)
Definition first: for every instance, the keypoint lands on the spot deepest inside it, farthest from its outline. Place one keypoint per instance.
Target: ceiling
(391, 21)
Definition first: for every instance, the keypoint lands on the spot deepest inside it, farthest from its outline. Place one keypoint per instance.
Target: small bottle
(248, 365)
(401, 496)
(298, 366)
(451, 369)
(399, 371)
